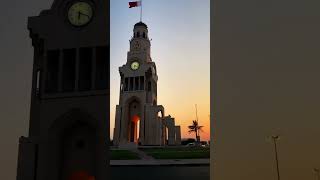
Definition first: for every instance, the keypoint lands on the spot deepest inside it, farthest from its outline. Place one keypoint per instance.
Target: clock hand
(83, 14)
(79, 15)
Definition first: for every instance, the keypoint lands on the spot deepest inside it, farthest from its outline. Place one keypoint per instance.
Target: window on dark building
(141, 82)
(102, 67)
(136, 83)
(69, 69)
(51, 84)
(131, 84)
(126, 84)
(85, 67)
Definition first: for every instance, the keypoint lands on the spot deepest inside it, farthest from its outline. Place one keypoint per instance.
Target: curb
(203, 162)
(156, 165)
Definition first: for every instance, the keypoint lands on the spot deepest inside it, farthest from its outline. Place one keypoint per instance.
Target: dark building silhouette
(69, 126)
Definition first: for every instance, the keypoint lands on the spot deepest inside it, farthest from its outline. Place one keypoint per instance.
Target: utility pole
(275, 138)
(317, 172)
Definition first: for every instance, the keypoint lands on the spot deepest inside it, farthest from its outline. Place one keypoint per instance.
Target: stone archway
(73, 146)
(134, 116)
(78, 151)
(135, 127)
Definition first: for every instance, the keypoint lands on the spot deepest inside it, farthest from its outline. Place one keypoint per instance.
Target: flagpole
(141, 11)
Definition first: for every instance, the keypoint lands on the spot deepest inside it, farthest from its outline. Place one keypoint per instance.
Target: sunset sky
(180, 47)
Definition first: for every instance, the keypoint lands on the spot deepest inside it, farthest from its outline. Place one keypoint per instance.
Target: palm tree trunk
(196, 135)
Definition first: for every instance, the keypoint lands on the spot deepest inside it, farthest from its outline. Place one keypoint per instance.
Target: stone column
(178, 135)
(117, 129)
(171, 135)
(26, 157)
(124, 125)
(141, 128)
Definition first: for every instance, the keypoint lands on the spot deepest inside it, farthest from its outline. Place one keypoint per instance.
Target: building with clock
(69, 128)
(139, 119)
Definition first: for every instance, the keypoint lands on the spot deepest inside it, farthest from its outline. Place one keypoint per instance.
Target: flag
(134, 4)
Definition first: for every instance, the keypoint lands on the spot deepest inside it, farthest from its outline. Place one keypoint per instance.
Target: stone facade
(69, 128)
(139, 119)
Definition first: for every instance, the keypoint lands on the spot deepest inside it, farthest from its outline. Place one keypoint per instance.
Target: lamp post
(275, 138)
(317, 172)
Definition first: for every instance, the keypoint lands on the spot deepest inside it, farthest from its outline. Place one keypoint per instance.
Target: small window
(144, 35)
(138, 34)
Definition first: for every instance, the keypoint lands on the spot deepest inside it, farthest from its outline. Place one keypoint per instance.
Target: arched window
(138, 34)
(144, 35)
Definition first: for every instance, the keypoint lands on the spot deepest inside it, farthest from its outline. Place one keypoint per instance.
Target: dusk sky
(266, 77)
(180, 47)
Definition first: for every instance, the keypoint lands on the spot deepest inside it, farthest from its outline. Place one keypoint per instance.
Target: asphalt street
(160, 172)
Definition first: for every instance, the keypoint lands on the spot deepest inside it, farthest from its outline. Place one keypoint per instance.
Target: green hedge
(178, 153)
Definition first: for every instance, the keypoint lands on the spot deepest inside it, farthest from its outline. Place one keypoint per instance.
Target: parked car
(204, 144)
(191, 145)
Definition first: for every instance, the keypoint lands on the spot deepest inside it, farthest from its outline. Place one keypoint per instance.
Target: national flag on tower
(134, 4)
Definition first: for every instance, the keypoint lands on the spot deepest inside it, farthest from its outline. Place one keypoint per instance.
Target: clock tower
(139, 119)
(69, 127)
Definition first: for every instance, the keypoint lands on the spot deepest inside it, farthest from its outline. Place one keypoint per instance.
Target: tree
(195, 128)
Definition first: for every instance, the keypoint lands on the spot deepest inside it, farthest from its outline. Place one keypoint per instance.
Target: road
(160, 172)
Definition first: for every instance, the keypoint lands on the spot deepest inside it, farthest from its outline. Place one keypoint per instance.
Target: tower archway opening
(134, 116)
(134, 129)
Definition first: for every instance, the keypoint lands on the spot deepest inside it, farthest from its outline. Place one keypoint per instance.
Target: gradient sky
(266, 69)
(266, 82)
(180, 47)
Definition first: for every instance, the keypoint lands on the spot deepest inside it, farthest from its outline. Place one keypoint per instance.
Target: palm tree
(195, 128)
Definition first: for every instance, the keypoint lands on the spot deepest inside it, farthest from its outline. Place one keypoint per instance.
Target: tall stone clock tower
(69, 127)
(139, 119)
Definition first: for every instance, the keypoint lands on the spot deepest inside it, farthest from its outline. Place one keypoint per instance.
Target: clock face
(135, 65)
(80, 13)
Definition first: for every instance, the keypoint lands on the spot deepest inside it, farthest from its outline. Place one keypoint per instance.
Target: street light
(275, 138)
(317, 172)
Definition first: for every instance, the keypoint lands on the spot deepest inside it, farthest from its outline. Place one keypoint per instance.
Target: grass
(123, 155)
(178, 153)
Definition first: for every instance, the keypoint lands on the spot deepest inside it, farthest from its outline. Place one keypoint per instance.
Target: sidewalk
(160, 162)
